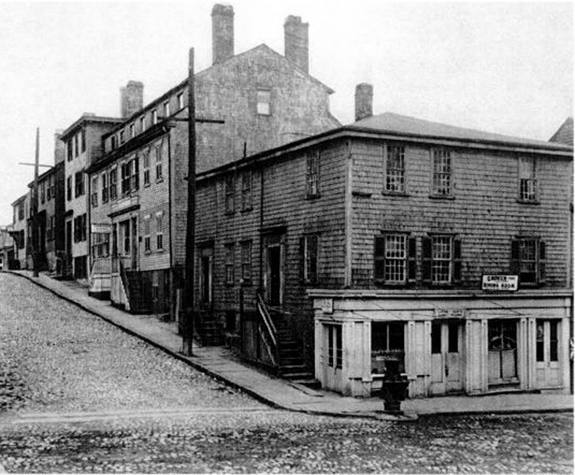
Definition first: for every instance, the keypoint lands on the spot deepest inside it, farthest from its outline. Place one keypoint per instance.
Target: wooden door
(446, 357)
(502, 352)
(547, 370)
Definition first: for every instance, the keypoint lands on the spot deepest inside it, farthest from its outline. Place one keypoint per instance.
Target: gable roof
(405, 125)
(565, 133)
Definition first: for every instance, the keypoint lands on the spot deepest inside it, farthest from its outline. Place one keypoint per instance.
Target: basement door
(446, 357)
(547, 372)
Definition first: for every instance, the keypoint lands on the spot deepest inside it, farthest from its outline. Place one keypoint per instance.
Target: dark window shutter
(541, 262)
(412, 259)
(302, 259)
(514, 268)
(426, 259)
(379, 258)
(313, 246)
(457, 260)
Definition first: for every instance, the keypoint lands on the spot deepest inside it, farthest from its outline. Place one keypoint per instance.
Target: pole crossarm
(36, 165)
(201, 120)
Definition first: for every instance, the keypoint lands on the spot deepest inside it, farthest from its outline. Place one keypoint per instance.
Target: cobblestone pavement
(79, 395)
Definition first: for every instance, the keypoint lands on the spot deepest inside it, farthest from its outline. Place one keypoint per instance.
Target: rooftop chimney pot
(363, 101)
(222, 33)
(296, 42)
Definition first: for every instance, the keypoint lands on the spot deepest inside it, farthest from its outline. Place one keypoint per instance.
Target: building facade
(399, 242)
(83, 146)
(244, 104)
(6, 248)
(21, 232)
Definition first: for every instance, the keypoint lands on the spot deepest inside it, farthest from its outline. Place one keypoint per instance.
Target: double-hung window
(79, 184)
(247, 190)
(105, 189)
(94, 191)
(264, 102)
(154, 117)
(334, 346)
(147, 240)
(159, 174)
(229, 264)
(147, 168)
(442, 173)
(528, 260)
(246, 249)
(312, 175)
(135, 174)
(180, 101)
(394, 169)
(441, 259)
(166, 109)
(527, 180)
(113, 185)
(395, 258)
(159, 231)
(126, 172)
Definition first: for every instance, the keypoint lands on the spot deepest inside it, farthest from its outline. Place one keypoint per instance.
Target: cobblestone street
(79, 395)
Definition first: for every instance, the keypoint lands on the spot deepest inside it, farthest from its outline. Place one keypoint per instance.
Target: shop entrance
(446, 357)
(547, 372)
(502, 349)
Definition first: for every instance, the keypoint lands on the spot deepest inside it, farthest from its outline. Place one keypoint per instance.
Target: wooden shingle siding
(484, 211)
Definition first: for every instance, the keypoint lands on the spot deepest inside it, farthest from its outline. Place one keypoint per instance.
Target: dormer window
(132, 131)
(113, 143)
(154, 117)
(122, 139)
(167, 109)
(180, 100)
(142, 124)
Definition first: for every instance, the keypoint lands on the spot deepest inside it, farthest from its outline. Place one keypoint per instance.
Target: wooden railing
(267, 331)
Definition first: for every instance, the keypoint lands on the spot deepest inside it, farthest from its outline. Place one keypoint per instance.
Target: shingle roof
(565, 133)
(404, 125)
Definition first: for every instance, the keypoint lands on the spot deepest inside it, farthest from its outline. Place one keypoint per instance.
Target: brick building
(395, 241)
(139, 189)
(83, 146)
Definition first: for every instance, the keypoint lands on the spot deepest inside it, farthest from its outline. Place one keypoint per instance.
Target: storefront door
(547, 373)
(446, 358)
(502, 348)
(333, 345)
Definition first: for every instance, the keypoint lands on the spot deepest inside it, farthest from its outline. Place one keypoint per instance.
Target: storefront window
(387, 344)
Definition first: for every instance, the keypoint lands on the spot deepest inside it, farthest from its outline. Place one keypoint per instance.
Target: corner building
(369, 244)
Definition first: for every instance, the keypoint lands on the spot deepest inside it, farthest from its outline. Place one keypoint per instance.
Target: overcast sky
(498, 67)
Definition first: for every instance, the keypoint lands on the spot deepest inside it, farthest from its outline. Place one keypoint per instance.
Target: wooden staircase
(290, 363)
(208, 329)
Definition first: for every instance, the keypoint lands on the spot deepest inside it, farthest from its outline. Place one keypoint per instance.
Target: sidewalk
(223, 365)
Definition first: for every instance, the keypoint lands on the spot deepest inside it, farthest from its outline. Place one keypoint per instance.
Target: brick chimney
(296, 40)
(363, 101)
(222, 33)
(131, 98)
(59, 147)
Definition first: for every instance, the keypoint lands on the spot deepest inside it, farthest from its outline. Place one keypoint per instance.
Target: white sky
(498, 67)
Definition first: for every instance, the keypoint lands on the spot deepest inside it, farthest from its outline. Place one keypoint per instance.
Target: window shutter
(457, 260)
(515, 257)
(541, 262)
(313, 245)
(302, 259)
(379, 258)
(412, 259)
(426, 259)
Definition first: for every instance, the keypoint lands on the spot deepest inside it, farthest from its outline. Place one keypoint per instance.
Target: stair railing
(267, 331)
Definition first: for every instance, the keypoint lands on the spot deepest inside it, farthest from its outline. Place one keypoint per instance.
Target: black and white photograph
(286, 236)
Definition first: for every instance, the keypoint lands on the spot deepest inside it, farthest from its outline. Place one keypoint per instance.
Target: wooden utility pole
(188, 291)
(35, 207)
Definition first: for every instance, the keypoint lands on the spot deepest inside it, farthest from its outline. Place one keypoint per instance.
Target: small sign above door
(500, 283)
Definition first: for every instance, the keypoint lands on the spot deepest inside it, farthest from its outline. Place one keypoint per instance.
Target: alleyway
(79, 395)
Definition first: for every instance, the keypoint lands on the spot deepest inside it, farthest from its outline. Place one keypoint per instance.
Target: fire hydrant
(393, 388)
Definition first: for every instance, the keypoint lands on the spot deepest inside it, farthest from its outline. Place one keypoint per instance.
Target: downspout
(173, 294)
(262, 182)
(348, 217)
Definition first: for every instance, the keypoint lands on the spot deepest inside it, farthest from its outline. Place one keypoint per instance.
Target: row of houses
(323, 252)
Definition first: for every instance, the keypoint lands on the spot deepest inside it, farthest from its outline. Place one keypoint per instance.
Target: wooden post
(35, 230)
(188, 291)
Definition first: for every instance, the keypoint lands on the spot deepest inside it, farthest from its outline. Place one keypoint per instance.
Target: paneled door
(547, 370)
(446, 357)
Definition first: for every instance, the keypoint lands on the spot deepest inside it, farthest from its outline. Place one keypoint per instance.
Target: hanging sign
(500, 283)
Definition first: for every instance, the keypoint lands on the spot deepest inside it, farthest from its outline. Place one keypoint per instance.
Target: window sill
(441, 197)
(160, 251)
(528, 202)
(403, 194)
(247, 210)
(159, 180)
(146, 253)
(313, 197)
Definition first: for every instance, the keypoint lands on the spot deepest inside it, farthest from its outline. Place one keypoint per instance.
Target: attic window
(263, 102)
